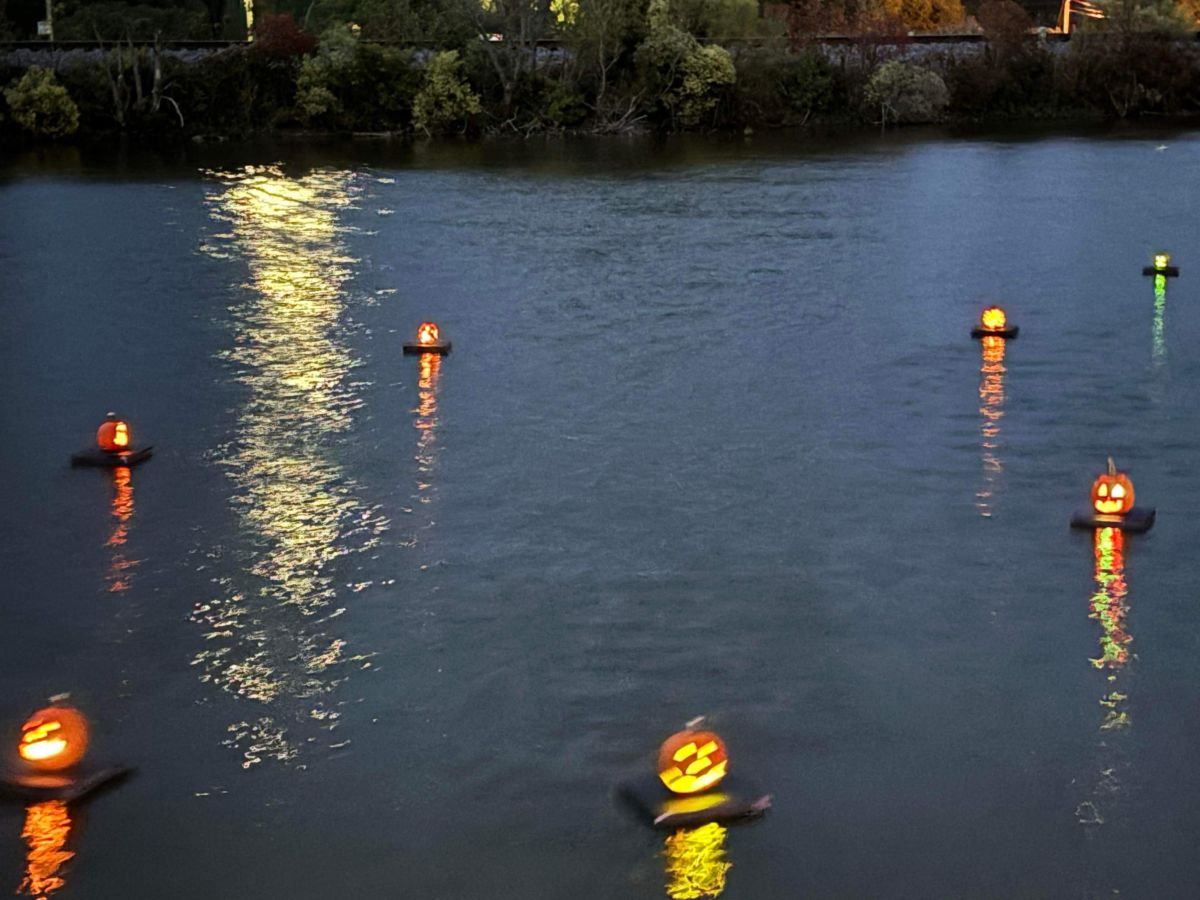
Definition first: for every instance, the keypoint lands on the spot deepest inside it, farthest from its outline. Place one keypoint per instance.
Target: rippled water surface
(713, 440)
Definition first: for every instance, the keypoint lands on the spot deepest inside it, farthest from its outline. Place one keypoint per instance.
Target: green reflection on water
(1160, 308)
(267, 635)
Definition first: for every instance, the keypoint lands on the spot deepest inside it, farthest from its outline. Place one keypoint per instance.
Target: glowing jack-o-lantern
(54, 738)
(1112, 492)
(427, 334)
(691, 761)
(113, 435)
(993, 319)
(1162, 260)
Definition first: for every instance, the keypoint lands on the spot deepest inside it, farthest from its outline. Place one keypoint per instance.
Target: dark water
(712, 439)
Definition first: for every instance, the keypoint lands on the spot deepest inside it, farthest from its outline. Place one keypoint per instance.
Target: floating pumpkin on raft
(1161, 266)
(680, 792)
(429, 340)
(114, 446)
(113, 435)
(50, 751)
(53, 738)
(993, 322)
(1112, 492)
(691, 761)
(1112, 505)
(993, 318)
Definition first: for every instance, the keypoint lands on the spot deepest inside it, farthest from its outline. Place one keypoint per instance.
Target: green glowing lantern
(1161, 266)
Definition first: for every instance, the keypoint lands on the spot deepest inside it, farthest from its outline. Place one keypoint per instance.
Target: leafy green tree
(905, 93)
(602, 37)
(1132, 62)
(41, 105)
(684, 78)
(1127, 17)
(779, 88)
(719, 19)
(445, 101)
(112, 20)
(321, 73)
(1011, 75)
(352, 84)
(511, 30)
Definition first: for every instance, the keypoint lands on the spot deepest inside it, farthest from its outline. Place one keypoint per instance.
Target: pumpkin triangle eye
(1102, 491)
(1118, 491)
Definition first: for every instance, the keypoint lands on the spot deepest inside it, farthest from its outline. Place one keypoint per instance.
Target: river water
(713, 439)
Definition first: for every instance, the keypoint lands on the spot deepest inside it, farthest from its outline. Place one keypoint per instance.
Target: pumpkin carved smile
(53, 738)
(692, 761)
(1112, 492)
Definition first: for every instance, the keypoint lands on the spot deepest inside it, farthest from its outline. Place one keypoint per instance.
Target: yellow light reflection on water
(696, 862)
(266, 638)
(120, 567)
(1159, 333)
(991, 411)
(47, 827)
(1108, 606)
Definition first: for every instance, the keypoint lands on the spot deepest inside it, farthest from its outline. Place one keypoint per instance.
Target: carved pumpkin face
(54, 738)
(692, 761)
(1112, 492)
(113, 435)
(427, 334)
(993, 318)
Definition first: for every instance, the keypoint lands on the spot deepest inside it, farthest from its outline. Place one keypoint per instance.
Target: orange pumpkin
(993, 319)
(1112, 492)
(113, 435)
(427, 334)
(54, 738)
(692, 761)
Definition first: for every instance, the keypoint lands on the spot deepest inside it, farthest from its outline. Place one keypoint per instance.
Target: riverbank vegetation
(527, 66)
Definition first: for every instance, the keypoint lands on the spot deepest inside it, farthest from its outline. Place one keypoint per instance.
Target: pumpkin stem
(694, 722)
(1112, 466)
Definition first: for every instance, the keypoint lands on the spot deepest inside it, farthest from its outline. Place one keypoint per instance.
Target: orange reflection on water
(47, 827)
(430, 366)
(991, 409)
(1109, 608)
(696, 862)
(120, 569)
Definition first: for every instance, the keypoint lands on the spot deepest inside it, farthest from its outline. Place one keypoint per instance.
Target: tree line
(527, 66)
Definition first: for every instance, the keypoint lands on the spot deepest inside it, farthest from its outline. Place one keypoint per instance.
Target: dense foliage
(42, 106)
(521, 66)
